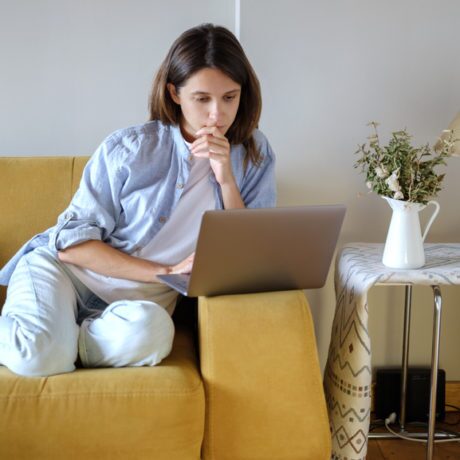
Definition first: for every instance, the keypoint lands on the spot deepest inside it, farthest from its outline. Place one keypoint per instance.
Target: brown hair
(209, 46)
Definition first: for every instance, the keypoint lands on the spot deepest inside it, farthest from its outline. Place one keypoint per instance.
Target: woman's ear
(173, 93)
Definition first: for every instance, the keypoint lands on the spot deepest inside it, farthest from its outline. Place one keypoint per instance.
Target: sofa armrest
(263, 386)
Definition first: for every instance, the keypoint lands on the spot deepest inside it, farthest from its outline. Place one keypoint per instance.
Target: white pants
(39, 334)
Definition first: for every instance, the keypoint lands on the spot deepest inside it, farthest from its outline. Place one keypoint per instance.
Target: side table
(348, 374)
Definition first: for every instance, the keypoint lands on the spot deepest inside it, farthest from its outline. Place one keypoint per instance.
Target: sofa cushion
(34, 191)
(102, 413)
(78, 166)
(262, 378)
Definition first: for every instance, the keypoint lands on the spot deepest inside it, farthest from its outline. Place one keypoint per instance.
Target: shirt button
(180, 186)
(162, 219)
(190, 157)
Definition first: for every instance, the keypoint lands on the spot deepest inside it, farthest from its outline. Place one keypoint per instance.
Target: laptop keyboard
(182, 282)
(179, 282)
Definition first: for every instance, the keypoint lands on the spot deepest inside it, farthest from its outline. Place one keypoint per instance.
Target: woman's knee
(128, 333)
(40, 355)
(40, 315)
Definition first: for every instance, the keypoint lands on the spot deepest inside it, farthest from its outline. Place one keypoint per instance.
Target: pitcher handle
(432, 218)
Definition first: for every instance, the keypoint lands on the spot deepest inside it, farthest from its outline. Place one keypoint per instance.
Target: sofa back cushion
(33, 192)
(79, 164)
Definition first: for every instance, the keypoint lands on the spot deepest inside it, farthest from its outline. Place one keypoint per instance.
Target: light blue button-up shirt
(131, 186)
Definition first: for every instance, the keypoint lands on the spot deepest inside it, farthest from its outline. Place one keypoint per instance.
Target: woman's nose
(215, 113)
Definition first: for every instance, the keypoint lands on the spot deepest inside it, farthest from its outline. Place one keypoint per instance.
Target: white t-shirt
(177, 239)
(172, 244)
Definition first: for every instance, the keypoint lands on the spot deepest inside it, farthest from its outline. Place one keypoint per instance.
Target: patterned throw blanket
(347, 377)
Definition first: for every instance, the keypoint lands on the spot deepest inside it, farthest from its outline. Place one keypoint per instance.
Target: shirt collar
(179, 142)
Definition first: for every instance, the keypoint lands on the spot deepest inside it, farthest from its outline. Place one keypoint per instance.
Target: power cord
(392, 419)
(456, 411)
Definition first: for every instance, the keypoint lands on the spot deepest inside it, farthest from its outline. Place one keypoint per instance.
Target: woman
(88, 285)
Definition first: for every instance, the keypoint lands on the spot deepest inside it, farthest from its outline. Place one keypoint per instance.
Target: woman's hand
(212, 144)
(183, 267)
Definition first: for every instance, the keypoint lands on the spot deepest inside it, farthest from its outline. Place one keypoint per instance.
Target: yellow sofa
(242, 382)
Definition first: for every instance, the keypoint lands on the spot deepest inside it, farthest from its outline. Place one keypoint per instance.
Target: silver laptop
(256, 250)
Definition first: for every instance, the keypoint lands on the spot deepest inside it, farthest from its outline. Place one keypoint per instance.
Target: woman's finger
(217, 150)
(214, 130)
(185, 266)
(209, 140)
(211, 150)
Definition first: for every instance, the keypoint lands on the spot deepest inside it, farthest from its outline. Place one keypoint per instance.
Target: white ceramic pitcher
(404, 243)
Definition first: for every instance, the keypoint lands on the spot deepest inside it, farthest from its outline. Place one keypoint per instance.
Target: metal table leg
(405, 355)
(434, 370)
(431, 435)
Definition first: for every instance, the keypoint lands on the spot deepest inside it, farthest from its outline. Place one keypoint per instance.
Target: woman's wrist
(159, 269)
(231, 195)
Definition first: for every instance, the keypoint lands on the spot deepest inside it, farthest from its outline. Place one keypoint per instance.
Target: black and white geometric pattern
(347, 377)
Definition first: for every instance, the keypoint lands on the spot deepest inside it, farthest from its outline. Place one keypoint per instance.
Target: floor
(398, 449)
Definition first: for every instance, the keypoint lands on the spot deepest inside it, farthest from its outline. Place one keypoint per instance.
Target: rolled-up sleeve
(95, 207)
(259, 186)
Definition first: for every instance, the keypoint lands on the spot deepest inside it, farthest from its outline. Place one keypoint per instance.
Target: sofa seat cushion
(96, 413)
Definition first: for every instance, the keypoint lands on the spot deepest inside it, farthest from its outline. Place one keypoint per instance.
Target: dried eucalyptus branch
(399, 170)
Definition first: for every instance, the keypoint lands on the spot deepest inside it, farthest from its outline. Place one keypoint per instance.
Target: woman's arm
(102, 258)
(231, 195)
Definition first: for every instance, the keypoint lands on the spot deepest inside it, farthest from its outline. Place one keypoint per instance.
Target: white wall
(72, 72)
(328, 68)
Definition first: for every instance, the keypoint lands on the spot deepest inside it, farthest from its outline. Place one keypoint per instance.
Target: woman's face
(208, 98)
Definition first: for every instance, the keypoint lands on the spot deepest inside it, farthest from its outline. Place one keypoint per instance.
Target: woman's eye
(207, 99)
